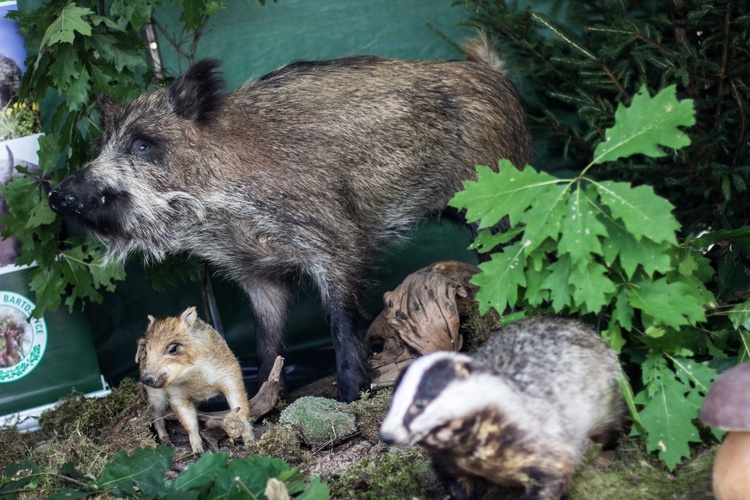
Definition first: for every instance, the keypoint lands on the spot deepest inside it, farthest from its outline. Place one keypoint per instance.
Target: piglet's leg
(188, 417)
(158, 400)
(237, 398)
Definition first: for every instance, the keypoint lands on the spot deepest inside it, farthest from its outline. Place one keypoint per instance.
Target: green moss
(370, 411)
(320, 421)
(279, 441)
(629, 473)
(396, 474)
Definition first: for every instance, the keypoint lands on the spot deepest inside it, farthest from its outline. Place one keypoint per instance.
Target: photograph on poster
(12, 54)
(19, 121)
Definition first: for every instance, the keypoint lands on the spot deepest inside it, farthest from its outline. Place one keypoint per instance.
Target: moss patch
(89, 432)
(396, 474)
(629, 473)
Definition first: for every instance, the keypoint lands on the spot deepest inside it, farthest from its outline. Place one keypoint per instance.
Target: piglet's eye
(173, 348)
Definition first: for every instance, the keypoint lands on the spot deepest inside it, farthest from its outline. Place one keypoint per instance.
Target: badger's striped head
(434, 390)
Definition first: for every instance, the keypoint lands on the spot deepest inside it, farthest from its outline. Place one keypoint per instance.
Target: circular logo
(22, 341)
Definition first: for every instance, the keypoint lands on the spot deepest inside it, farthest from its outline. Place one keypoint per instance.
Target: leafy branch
(78, 49)
(607, 249)
(142, 475)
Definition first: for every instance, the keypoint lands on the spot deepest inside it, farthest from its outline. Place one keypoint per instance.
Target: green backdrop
(251, 40)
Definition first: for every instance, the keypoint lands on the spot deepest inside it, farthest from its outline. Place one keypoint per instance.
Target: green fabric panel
(67, 362)
(252, 39)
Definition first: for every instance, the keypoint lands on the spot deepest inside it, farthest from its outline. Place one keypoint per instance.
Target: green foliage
(142, 475)
(607, 249)
(78, 49)
(579, 59)
(664, 289)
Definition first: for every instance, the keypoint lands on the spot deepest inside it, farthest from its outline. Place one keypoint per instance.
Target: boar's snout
(151, 381)
(73, 197)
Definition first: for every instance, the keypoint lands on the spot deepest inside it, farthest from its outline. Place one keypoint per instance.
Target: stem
(245, 488)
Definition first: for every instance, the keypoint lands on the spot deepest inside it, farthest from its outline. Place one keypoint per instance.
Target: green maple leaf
(613, 337)
(536, 294)
(740, 316)
(643, 213)
(592, 288)
(633, 254)
(66, 66)
(623, 311)
(700, 375)
(40, 215)
(78, 93)
(646, 126)
(581, 229)
(145, 468)
(494, 195)
(201, 473)
(544, 219)
(500, 278)
(559, 283)
(667, 413)
(486, 241)
(666, 303)
(69, 22)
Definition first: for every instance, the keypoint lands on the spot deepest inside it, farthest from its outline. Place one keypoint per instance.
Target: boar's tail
(480, 50)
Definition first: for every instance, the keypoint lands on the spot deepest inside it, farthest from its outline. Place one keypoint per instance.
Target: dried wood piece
(422, 315)
(268, 394)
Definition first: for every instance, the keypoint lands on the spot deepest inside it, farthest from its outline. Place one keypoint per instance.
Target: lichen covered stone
(320, 421)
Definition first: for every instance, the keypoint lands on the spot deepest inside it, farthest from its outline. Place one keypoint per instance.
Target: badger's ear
(189, 316)
(197, 94)
(463, 366)
(108, 108)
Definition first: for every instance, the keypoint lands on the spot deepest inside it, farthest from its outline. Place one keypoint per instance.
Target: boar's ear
(108, 108)
(197, 94)
(189, 316)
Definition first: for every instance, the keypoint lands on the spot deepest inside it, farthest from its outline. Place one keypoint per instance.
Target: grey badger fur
(312, 169)
(520, 411)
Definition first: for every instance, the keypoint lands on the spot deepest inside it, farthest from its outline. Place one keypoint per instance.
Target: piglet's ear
(140, 351)
(197, 94)
(189, 316)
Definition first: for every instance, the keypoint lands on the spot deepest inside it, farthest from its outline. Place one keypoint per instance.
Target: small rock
(320, 421)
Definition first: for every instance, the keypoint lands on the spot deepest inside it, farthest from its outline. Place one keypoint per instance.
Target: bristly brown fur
(313, 169)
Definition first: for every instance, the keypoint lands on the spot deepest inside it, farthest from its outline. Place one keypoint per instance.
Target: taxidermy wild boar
(184, 361)
(313, 169)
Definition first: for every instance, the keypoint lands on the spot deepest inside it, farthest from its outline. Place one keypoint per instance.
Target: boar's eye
(142, 147)
(173, 348)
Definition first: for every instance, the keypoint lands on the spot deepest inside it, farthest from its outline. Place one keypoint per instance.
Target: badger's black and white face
(435, 390)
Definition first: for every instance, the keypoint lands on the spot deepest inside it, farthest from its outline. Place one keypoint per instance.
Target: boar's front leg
(343, 311)
(270, 301)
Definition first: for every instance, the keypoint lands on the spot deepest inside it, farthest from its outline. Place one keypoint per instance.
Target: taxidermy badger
(518, 412)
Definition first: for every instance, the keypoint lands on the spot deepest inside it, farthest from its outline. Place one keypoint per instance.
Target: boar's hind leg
(343, 310)
(270, 301)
